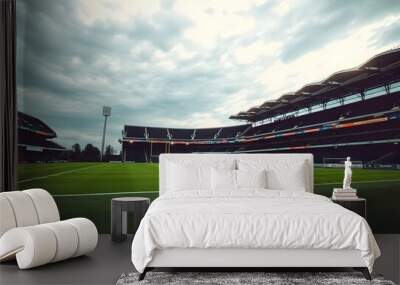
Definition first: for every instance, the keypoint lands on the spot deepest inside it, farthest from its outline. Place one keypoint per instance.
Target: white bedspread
(251, 219)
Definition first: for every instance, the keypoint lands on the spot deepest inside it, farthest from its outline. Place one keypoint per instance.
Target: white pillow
(251, 178)
(185, 178)
(281, 175)
(223, 179)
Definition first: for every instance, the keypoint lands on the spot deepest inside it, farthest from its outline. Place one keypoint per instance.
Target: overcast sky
(183, 63)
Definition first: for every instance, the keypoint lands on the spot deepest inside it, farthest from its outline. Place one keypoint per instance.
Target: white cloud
(181, 52)
(214, 20)
(255, 51)
(340, 54)
(283, 8)
(235, 103)
(194, 120)
(198, 120)
(143, 50)
(167, 64)
(122, 12)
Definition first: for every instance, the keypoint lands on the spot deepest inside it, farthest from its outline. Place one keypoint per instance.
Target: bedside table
(357, 205)
(119, 208)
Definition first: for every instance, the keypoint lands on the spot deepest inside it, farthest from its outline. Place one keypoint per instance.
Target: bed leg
(143, 274)
(365, 272)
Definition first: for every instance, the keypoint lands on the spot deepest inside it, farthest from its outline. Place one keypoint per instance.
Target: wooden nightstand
(357, 205)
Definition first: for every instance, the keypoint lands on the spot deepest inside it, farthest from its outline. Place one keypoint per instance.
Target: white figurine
(347, 174)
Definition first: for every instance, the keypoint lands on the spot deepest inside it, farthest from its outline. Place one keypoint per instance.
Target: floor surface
(110, 260)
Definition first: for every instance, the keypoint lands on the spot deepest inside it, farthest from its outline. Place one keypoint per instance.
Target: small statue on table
(347, 174)
(346, 192)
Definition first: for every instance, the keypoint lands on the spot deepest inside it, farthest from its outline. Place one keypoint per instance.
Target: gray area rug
(228, 278)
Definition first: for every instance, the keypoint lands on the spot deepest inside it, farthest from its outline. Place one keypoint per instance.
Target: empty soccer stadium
(351, 113)
(354, 112)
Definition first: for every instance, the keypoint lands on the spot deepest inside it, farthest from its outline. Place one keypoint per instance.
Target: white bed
(281, 225)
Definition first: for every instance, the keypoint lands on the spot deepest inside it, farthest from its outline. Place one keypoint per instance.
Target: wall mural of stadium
(353, 112)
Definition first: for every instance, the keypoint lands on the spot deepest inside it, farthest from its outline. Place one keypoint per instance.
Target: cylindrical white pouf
(87, 235)
(45, 205)
(34, 246)
(7, 218)
(23, 208)
(67, 240)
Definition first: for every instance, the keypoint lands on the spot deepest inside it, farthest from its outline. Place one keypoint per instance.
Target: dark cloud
(162, 30)
(56, 88)
(67, 69)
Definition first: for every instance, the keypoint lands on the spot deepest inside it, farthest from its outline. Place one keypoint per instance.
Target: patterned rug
(243, 278)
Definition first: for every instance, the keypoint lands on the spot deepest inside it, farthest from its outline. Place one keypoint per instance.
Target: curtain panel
(8, 99)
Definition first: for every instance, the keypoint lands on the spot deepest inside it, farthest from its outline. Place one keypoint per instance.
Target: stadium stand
(157, 133)
(354, 112)
(231, 132)
(210, 133)
(34, 141)
(369, 106)
(26, 122)
(134, 131)
(181, 134)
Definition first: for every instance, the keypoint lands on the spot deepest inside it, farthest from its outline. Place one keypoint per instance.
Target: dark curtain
(8, 100)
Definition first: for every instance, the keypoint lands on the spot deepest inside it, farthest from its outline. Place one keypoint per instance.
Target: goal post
(154, 153)
(339, 162)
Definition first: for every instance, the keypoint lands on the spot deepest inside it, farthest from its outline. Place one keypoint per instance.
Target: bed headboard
(210, 158)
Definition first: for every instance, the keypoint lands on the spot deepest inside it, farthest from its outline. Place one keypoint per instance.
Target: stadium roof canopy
(35, 125)
(382, 69)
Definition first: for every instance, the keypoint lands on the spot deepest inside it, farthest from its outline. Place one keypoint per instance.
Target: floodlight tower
(106, 114)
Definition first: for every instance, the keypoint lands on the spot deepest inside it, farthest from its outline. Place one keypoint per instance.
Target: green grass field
(80, 178)
(85, 189)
